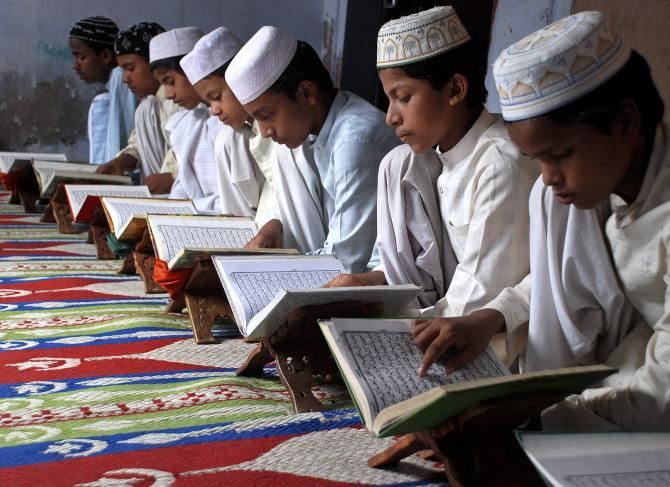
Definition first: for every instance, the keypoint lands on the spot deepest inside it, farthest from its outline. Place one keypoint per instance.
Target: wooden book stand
(477, 446)
(61, 212)
(128, 265)
(301, 351)
(177, 305)
(48, 216)
(144, 258)
(206, 301)
(99, 231)
(28, 189)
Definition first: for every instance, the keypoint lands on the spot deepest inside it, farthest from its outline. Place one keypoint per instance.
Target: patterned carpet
(100, 387)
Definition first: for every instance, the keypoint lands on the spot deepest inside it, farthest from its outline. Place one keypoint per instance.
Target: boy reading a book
(192, 131)
(148, 147)
(283, 84)
(111, 115)
(585, 106)
(452, 220)
(242, 156)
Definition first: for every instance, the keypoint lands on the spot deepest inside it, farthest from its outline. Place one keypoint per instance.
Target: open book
(10, 161)
(127, 217)
(263, 290)
(51, 173)
(612, 459)
(183, 240)
(85, 198)
(379, 362)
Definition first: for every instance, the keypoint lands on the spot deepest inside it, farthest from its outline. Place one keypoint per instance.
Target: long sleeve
(122, 105)
(131, 149)
(352, 227)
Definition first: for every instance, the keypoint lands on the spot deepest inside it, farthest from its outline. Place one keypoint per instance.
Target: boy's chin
(420, 148)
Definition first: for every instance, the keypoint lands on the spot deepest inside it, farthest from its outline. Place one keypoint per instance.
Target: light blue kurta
(350, 145)
(120, 119)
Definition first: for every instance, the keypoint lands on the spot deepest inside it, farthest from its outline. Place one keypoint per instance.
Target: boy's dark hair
(468, 60)
(169, 63)
(219, 72)
(305, 65)
(98, 48)
(600, 107)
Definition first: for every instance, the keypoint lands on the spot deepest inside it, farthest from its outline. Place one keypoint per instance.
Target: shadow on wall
(52, 113)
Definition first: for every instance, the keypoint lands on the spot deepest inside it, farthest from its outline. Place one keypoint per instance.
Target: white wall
(43, 104)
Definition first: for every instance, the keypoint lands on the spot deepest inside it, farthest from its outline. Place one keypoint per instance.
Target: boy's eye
(405, 99)
(565, 154)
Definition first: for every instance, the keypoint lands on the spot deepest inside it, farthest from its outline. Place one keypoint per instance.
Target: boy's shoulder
(358, 119)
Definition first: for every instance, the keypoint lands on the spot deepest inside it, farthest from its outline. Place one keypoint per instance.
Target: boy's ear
(458, 89)
(629, 118)
(309, 90)
(107, 56)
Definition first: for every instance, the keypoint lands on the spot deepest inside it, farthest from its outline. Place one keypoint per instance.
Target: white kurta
(264, 152)
(149, 143)
(638, 397)
(456, 224)
(192, 135)
(298, 192)
(411, 240)
(239, 177)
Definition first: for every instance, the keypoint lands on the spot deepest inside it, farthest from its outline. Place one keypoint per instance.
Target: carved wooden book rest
(144, 258)
(28, 189)
(301, 351)
(477, 446)
(99, 231)
(206, 301)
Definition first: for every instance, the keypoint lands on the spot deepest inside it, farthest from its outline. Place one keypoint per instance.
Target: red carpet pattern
(100, 387)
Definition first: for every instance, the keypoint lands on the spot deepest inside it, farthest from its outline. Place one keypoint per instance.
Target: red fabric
(173, 281)
(11, 180)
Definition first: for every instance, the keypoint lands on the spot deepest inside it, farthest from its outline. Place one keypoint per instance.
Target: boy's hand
(160, 183)
(118, 166)
(374, 278)
(268, 237)
(461, 338)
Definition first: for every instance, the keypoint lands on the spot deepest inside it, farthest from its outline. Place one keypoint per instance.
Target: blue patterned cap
(557, 65)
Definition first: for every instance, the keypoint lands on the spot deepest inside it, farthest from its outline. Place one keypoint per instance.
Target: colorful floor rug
(100, 387)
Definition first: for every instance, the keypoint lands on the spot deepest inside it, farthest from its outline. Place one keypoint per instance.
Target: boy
(192, 132)
(111, 115)
(587, 108)
(240, 177)
(284, 85)
(148, 147)
(454, 222)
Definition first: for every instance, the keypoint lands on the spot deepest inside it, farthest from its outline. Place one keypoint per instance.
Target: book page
(8, 159)
(45, 171)
(122, 210)
(173, 233)
(77, 193)
(385, 361)
(252, 282)
(615, 459)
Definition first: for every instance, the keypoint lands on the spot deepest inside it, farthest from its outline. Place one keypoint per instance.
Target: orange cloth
(173, 281)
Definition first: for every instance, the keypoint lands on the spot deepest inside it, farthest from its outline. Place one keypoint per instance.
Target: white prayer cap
(260, 63)
(210, 53)
(557, 65)
(419, 36)
(173, 43)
